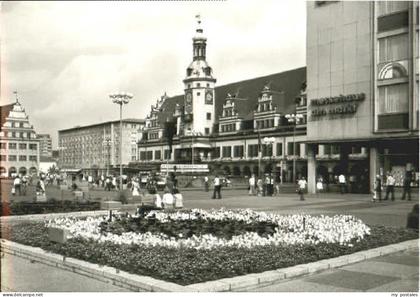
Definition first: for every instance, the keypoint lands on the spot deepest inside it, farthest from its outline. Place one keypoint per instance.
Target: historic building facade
(356, 101)
(236, 129)
(362, 76)
(95, 149)
(19, 146)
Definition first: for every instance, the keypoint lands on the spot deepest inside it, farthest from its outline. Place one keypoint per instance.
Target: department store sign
(337, 105)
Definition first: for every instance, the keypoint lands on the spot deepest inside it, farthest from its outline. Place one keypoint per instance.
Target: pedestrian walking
(259, 187)
(217, 187)
(16, 184)
(251, 183)
(178, 199)
(390, 184)
(319, 185)
(270, 185)
(206, 184)
(377, 189)
(135, 188)
(342, 182)
(301, 188)
(406, 187)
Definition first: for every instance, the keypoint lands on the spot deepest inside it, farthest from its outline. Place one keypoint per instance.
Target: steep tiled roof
(4, 112)
(286, 85)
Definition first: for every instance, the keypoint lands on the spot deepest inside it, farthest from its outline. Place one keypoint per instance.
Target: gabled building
(19, 146)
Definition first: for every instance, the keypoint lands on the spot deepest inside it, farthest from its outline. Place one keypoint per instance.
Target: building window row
(228, 127)
(265, 106)
(263, 124)
(14, 158)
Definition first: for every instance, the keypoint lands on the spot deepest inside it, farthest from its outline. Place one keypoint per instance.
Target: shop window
(335, 149)
(327, 149)
(356, 150)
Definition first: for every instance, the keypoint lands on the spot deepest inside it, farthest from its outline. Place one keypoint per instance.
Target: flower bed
(162, 255)
(200, 229)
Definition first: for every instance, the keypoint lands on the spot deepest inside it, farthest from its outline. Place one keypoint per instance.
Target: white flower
(290, 230)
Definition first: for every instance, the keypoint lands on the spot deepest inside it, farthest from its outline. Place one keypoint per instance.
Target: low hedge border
(148, 284)
(188, 266)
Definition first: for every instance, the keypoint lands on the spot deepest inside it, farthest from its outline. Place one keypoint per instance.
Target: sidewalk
(397, 272)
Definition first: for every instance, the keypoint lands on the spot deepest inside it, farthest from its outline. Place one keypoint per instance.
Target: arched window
(392, 70)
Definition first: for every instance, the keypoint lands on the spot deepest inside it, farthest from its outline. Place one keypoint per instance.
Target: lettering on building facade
(343, 104)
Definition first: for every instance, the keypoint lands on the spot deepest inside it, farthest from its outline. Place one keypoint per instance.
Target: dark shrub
(413, 218)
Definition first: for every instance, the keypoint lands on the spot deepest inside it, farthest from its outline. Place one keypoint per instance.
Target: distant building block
(108, 205)
(57, 234)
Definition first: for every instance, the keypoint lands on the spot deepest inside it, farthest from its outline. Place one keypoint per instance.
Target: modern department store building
(362, 88)
(358, 97)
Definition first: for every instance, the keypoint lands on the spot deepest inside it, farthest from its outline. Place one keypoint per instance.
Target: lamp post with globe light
(294, 118)
(121, 99)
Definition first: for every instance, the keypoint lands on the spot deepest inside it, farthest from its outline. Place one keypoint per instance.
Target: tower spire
(16, 95)
(199, 41)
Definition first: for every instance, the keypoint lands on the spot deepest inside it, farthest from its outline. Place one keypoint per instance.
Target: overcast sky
(65, 58)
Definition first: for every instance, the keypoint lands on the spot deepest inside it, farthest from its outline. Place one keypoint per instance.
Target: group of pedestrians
(265, 186)
(390, 187)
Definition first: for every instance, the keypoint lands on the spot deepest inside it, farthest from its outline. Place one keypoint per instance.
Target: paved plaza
(397, 272)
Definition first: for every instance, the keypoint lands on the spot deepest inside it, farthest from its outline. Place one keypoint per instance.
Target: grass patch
(187, 266)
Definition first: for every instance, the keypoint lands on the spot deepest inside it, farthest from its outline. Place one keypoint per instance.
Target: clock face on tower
(188, 103)
(209, 97)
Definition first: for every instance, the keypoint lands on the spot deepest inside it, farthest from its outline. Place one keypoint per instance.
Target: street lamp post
(294, 118)
(121, 99)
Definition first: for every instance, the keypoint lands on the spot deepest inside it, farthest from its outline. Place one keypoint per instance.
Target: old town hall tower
(199, 89)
